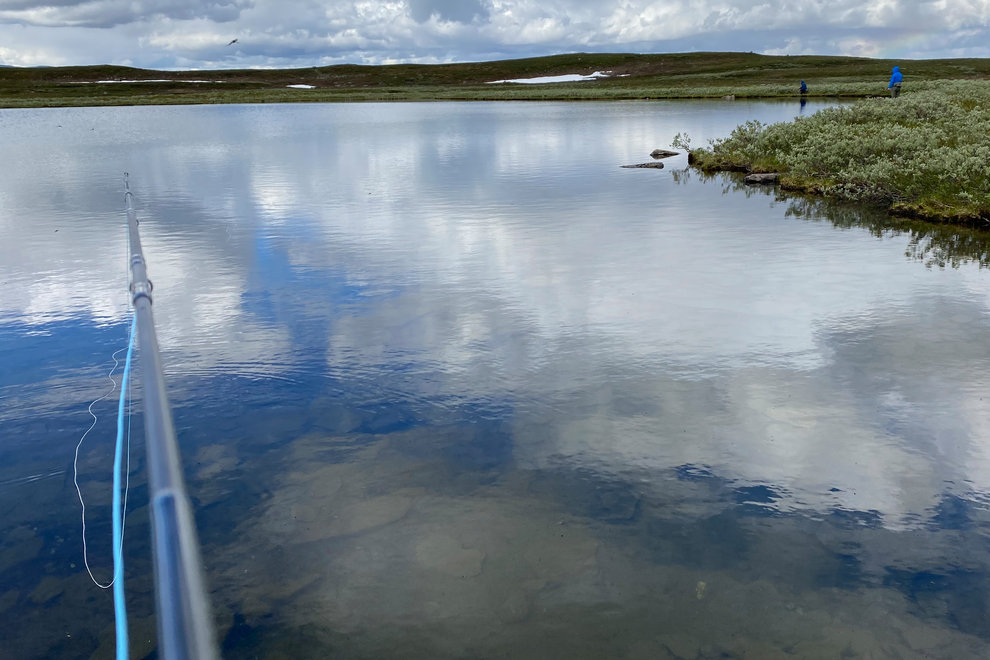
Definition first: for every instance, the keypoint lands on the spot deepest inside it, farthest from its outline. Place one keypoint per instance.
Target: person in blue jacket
(895, 83)
(804, 88)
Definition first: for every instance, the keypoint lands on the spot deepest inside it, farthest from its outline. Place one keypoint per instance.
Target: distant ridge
(625, 76)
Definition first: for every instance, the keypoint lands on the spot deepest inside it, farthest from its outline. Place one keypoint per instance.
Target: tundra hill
(632, 76)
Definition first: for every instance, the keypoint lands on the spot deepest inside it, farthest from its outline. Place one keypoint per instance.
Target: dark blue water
(450, 383)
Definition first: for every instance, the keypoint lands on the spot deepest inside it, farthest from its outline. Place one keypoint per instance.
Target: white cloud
(190, 33)
(30, 57)
(791, 47)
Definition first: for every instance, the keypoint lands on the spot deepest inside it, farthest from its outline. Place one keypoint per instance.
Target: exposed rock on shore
(654, 165)
(762, 179)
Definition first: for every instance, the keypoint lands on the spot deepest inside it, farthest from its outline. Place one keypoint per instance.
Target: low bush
(926, 153)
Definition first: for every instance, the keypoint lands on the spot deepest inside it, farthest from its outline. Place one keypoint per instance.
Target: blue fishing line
(119, 605)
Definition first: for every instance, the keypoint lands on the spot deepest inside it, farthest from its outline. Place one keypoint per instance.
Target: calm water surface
(450, 383)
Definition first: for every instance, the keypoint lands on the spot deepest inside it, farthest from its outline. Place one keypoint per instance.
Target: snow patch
(163, 80)
(567, 77)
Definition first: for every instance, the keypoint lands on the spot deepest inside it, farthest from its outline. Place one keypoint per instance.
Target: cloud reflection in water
(453, 383)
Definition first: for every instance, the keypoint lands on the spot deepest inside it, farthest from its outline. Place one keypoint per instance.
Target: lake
(451, 383)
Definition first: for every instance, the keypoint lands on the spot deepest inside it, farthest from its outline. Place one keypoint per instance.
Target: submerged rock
(48, 589)
(765, 179)
(662, 153)
(655, 166)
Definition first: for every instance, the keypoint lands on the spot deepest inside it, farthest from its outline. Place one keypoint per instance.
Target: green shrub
(925, 153)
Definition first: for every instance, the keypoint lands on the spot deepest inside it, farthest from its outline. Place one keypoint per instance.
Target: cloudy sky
(179, 34)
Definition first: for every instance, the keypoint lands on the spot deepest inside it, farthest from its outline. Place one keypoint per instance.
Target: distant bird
(233, 41)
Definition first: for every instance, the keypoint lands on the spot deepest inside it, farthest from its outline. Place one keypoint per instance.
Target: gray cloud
(20, 5)
(111, 13)
(460, 11)
(185, 33)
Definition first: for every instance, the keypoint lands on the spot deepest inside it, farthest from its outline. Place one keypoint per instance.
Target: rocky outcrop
(654, 165)
(762, 179)
(662, 153)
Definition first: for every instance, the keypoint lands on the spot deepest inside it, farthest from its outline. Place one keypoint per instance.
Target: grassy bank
(925, 154)
(633, 76)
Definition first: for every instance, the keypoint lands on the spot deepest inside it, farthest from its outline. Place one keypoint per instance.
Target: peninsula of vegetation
(925, 154)
(622, 76)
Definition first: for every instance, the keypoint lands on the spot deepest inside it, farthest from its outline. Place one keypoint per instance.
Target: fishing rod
(185, 623)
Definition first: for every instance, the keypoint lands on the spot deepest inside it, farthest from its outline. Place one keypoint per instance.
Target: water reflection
(420, 557)
(451, 383)
(933, 244)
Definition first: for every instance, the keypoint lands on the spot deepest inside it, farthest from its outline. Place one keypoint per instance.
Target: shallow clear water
(450, 383)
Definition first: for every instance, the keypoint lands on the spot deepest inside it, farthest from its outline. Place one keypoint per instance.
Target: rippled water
(450, 383)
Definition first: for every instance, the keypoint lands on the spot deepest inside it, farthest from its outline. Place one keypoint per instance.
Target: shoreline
(411, 96)
(814, 190)
(921, 156)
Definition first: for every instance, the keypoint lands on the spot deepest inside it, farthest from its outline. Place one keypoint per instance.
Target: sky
(194, 34)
